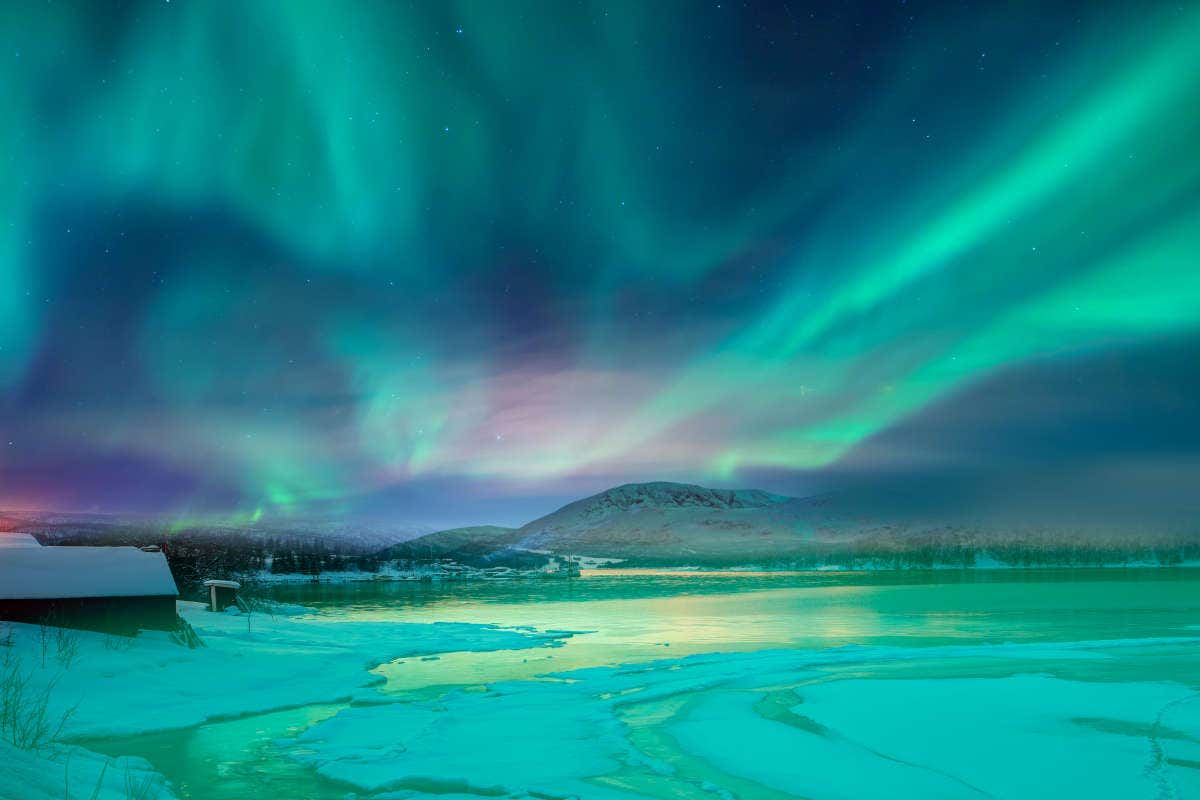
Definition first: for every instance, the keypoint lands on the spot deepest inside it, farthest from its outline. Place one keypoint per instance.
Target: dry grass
(26, 720)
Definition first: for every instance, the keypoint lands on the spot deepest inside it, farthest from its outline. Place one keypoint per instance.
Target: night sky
(457, 262)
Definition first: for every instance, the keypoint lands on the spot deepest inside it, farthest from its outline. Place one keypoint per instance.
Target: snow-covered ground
(1025, 736)
(63, 772)
(121, 686)
(1097, 719)
(249, 665)
(787, 723)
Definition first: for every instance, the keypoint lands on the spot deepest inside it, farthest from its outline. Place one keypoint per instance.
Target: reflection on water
(645, 616)
(634, 584)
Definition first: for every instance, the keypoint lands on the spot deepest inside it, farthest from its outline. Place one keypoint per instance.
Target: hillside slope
(479, 545)
(673, 524)
(680, 523)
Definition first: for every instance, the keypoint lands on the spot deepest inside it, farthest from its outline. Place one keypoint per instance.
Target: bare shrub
(118, 644)
(44, 640)
(185, 635)
(99, 783)
(251, 600)
(142, 785)
(7, 651)
(67, 780)
(66, 646)
(139, 784)
(25, 717)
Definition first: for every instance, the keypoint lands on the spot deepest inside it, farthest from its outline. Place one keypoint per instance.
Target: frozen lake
(1040, 683)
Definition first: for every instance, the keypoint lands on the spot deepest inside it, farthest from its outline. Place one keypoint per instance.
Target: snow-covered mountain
(679, 522)
(664, 494)
(676, 524)
(663, 523)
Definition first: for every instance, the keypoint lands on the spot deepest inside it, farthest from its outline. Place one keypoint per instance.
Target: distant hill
(480, 545)
(479, 539)
(655, 524)
(677, 524)
(203, 549)
(682, 523)
(71, 528)
(11, 523)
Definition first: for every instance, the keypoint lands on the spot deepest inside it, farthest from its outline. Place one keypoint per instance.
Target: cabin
(113, 589)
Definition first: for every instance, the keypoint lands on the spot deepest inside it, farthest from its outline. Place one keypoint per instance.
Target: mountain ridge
(661, 523)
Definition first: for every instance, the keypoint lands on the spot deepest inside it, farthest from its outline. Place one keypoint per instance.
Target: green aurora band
(382, 173)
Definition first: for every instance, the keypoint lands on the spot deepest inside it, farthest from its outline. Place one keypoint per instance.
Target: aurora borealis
(276, 258)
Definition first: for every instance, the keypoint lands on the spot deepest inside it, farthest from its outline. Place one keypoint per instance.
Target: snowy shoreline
(250, 664)
(735, 713)
(728, 711)
(611, 567)
(838, 568)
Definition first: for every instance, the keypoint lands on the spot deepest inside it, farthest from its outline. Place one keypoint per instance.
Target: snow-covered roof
(46, 572)
(8, 540)
(224, 584)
